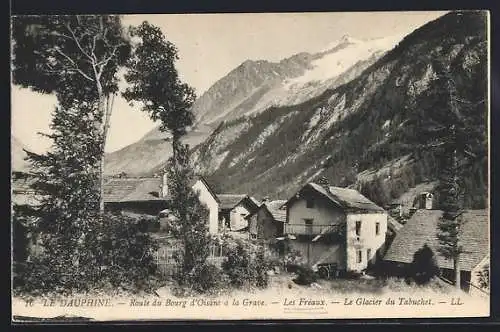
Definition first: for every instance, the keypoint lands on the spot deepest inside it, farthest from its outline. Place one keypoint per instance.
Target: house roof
(228, 201)
(274, 208)
(347, 199)
(421, 229)
(255, 201)
(132, 190)
(393, 224)
(209, 188)
(22, 191)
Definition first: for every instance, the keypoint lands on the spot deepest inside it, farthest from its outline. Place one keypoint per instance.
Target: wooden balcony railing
(302, 229)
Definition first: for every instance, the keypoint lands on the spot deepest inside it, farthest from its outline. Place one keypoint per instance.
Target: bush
(423, 267)
(484, 277)
(293, 257)
(305, 276)
(245, 265)
(115, 255)
(208, 278)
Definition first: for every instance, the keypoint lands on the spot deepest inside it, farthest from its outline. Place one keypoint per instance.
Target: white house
(237, 208)
(336, 226)
(210, 200)
(226, 211)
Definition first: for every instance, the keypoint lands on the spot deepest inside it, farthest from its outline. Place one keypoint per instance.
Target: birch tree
(76, 58)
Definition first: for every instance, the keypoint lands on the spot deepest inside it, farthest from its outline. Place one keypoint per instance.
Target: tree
(191, 225)
(82, 248)
(65, 180)
(424, 266)
(452, 130)
(450, 222)
(453, 141)
(77, 59)
(155, 83)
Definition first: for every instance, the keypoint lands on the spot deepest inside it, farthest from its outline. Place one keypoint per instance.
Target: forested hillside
(371, 133)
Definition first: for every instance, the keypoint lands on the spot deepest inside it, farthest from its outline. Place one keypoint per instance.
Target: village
(337, 232)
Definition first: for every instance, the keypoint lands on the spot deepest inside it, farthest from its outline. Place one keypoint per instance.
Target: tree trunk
(105, 112)
(456, 268)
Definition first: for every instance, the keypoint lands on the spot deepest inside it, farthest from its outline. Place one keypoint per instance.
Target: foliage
(208, 278)
(484, 277)
(155, 82)
(75, 57)
(424, 266)
(293, 257)
(20, 240)
(190, 217)
(454, 139)
(116, 255)
(68, 54)
(245, 265)
(82, 249)
(305, 275)
(67, 184)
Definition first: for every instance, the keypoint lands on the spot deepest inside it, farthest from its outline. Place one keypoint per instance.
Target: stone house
(336, 226)
(141, 196)
(267, 222)
(421, 229)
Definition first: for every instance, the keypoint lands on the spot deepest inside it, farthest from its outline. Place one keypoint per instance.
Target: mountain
(371, 132)
(149, 154)
(17, 155)
(254, 87)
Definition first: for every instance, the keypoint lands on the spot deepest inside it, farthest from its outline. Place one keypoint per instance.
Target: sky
(210, 46)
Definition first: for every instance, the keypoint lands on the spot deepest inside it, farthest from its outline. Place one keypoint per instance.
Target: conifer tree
(452, 144)
(65, 179)
(155, 83)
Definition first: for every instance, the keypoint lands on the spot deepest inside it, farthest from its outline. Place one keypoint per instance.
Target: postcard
(257, 166)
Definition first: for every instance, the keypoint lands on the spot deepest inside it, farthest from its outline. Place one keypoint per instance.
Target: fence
(167, 265)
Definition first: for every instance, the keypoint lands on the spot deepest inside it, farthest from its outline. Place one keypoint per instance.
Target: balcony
(302, 229)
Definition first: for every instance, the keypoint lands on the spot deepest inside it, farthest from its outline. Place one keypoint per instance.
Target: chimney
(265, 200)
(164, 185)
(428, 201)
(425, 201)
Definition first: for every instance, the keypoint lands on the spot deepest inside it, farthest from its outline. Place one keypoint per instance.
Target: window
(253, 236)
(377, 228)
(308, 226)
(360, 256)
(309, 203)
(358, 228)
(368, 254)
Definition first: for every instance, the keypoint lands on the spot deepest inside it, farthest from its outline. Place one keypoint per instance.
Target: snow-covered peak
(346, 39)
(332, 64)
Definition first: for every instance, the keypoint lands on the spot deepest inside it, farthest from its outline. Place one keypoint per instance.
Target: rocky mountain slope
(369, 132)
(254, 87)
